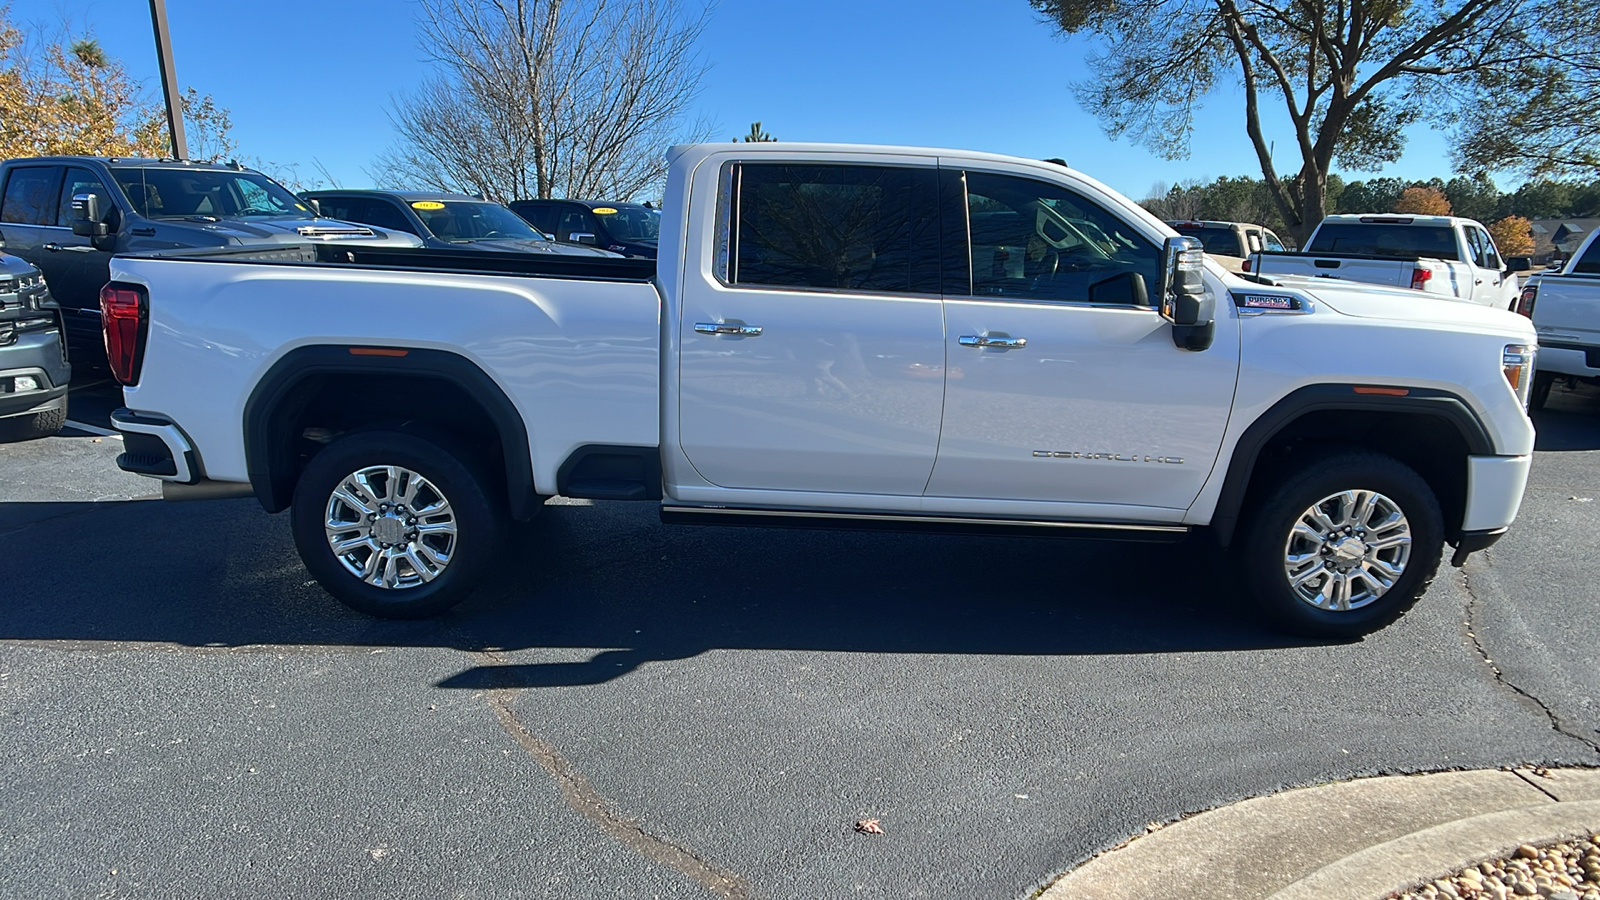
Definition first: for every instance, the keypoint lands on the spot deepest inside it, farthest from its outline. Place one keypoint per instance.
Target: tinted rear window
(1216, 239)
(1400, 241)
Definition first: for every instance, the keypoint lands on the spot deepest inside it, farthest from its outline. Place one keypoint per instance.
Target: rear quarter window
(1589, 262)
(1221, 241)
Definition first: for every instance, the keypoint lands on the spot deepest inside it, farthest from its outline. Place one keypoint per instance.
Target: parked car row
(67, 215)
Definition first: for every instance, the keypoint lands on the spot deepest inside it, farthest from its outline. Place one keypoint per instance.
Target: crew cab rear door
(811, 354)
(1062, 383)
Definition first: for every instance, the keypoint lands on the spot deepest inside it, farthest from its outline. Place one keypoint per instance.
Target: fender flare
(270, 451)
(1437, 404)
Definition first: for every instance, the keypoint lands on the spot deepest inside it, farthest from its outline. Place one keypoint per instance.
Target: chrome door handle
(983, 340)
(53, 247)
(728, 328)
(57, 248)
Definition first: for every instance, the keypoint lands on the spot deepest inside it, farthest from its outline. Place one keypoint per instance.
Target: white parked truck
(1441, 255)
(1565, 308)
(835, 335)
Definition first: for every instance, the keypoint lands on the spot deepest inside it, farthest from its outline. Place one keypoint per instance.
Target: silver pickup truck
(1565, 309)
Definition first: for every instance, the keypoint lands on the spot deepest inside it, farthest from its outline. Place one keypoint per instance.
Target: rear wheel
(393, 525)
(1344, 546)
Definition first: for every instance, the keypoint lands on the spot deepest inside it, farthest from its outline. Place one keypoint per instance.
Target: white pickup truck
(833, 336)
(1565, 309)
(1440, 255)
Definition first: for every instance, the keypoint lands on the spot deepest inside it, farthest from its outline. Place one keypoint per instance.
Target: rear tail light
(1420, 277)
(1517, 362)
(1530, 295)
(125, 319)
(1245, 266)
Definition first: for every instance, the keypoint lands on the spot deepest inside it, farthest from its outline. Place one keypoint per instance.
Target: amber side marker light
(378, 351)
(1383, 391)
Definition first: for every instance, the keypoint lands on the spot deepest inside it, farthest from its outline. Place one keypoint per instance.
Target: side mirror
(1184, 301)
(316, 208)
(582, 237)
(86, 217)
(1519, 264)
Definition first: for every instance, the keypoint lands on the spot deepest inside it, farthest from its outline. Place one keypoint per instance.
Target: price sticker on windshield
(427, 204)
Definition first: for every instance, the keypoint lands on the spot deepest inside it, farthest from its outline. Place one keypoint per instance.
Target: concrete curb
(1404, 863)
(1352, 840)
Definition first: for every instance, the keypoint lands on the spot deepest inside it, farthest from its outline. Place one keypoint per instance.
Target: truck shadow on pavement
(610, 579)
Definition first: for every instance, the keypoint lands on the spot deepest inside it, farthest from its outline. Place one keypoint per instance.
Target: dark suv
(632, 229)
(33, 356)
(69, 214)
(444, 220)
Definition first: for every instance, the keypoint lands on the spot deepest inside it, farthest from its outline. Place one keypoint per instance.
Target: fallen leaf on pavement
(869, 826)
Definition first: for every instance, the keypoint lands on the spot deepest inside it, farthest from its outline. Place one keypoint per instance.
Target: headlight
(1517, 361)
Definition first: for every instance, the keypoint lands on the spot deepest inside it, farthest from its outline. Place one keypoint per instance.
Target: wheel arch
(1432, 430)
(298, 389)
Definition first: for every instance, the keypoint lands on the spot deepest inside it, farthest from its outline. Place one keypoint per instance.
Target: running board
(915, 524)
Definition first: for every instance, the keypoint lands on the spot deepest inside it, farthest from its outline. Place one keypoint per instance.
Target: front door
(812, 355)
(1063, 383)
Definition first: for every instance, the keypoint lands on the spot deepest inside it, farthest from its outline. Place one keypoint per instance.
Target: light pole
(169, 80)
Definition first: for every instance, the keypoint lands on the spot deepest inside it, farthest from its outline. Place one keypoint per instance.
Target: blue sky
(310, 82)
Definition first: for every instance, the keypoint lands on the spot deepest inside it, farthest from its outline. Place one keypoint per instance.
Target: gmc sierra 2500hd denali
(851, 335)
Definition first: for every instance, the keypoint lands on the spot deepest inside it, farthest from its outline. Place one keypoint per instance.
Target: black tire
(1540, 395)
(1264, 542)
(35, 425)
(477, 515)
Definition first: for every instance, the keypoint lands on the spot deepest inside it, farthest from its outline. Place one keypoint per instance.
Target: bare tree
(546, 98)
(1515, 80)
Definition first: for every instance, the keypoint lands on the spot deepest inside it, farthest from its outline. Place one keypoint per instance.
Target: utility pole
(169, 79)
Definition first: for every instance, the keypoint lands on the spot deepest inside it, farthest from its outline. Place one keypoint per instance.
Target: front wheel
(393, 525)
(1343, 546)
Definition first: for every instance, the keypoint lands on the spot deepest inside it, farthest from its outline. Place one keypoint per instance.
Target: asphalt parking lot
(636, 710)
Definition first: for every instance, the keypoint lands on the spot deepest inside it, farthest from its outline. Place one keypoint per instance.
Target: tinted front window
(365, 211)
(1399, 241)
(81, 181)
(1216, 239)
(1273, 244)
(30, 197)
(836, 227)
(472, 220)
(630, 223)
(1038, 240)
(178, 193)
(1491, 256)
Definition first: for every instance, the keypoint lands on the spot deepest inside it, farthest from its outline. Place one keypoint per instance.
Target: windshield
(631, 223)
(472, 220)
(159, 193)
(1218, 239)
(1400, 241)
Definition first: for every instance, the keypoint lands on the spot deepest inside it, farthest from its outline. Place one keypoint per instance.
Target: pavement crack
(1473, 631)
(581, 796)
(1534, 784)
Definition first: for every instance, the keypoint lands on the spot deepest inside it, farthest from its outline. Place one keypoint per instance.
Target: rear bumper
(156, 447)
(1569, 359)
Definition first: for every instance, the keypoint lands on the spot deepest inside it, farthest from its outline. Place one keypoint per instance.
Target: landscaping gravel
(1566, 871)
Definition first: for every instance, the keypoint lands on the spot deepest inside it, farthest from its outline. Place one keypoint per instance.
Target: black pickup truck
(69, 214)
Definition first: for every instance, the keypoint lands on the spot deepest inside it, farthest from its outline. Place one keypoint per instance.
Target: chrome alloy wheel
(390, 527)
(1347, 550)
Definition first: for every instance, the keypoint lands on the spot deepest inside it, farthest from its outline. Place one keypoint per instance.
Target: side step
(915, 524)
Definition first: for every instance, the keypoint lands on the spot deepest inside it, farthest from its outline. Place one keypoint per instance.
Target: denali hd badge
(1113, 457)
(1269, 302)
